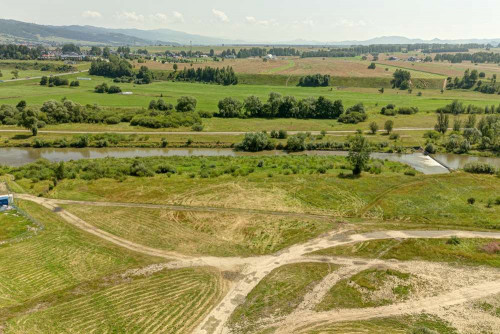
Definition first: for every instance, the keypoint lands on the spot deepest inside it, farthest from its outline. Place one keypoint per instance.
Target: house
(72, 56)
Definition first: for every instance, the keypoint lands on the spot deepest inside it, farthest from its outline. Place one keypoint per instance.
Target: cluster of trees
(457, 108)
(261, 52)
(483, 134)
(68, 48)
(401, 79)
(333, 53)
(290, 107)
(472, 79)
(477, 58)
(279, 106)
(21, 52)
(316, 80)
(222, 76)
(58, 81)
(104, 88)
(122, 69)
(390, 110)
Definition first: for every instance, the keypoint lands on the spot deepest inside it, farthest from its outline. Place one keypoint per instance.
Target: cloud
(175, 17)
(178, 17)
(131, 16)
(265, 23)
(91, 14)
(350, 23)
(221, 16)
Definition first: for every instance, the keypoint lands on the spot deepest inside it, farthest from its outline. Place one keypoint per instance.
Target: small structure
(6, 202)
(270, 57)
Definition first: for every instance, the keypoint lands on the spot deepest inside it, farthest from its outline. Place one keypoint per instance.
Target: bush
(197, 127)
(454, 241)
(407, 110)
(282, 134)
(471, 201)
(432, 134)
(102, 88)
(186, 103)
(114, 90)
(255, 142)
(491, 248)
(389, 110)
(112, 120)
(394, 136)
(75, 83)
(205, 114)
(479, 168)
(230, 108)
(429, 148)
(296, 143)
(354, 114)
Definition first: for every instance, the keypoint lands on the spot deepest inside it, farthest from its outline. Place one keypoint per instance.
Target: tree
(15, 73)
(401, 79)
(373, 127)
(186, 103)
(44, 81)
(372, 66)
(95, 51)
(255, 142)
(176, 67)
(388, 126)
(359, 153)
(1, 74)
(442, 123)
(29, 120)
(21, 105)
(229, 107)
(253, 106)
(296, 143)
(106, 52)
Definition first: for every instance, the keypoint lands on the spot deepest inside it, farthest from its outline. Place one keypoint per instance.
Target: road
(458, 285)
(39, 77)
(190, 133)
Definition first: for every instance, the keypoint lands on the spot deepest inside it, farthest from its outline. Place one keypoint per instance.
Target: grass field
(277, 295)
(369, 288)
(172, 301)
(41, 268)
(468, 252)
(13, 225)
(397, 325)
(203, 233)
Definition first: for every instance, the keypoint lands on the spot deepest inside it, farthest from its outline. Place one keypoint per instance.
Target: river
(19, 156)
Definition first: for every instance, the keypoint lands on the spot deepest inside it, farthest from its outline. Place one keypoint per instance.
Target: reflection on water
(455, 161)
(422, 163)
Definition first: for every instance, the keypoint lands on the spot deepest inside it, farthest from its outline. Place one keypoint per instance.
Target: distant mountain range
(12, 31)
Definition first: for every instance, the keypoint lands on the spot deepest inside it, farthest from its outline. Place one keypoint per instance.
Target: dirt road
(469, 284)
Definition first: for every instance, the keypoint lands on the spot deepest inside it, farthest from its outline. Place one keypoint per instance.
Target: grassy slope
(218, 234)
(468, 252)
(278, 294)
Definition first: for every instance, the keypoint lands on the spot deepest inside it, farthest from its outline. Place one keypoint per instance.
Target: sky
(274, 20)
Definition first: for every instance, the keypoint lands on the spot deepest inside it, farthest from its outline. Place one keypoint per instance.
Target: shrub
(114, 90)
(373, 128)
(394, 136)
(407, 110)
(471, 201)
(102, 88)
(186, 103)
(479, 168)
(112, 120)
(255, 142)
(75, 83)
(282, 134)
(197, 127)
(205, 114)
(389, 110)
(429, 148)
(296, 143)
(431, 134)
(454, 241)
(410, 172)
(229, 108)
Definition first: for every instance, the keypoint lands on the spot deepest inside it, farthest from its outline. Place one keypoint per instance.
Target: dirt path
(250, 271)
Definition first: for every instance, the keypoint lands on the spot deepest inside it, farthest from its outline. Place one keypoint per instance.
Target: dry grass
(219, 234)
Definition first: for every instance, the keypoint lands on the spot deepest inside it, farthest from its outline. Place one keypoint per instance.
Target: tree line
(122, 69)
(473, 79)
(315, 80)
(222, 76)
(261, 52)
(20, 52)
(477, 58)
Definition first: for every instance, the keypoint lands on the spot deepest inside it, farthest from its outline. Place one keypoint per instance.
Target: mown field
(65, 280)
